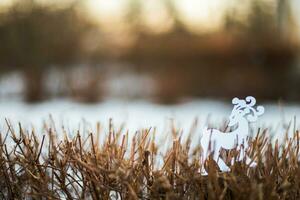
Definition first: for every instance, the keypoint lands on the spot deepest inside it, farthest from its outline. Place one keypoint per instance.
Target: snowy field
(139, 114)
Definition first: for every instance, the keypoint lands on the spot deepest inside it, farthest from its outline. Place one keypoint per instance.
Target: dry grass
(43, 167)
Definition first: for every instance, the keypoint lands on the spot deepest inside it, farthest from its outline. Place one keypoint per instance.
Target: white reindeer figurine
(213, 140)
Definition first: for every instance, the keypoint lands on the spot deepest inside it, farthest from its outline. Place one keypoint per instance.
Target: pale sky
(196, 14)
(205, 13)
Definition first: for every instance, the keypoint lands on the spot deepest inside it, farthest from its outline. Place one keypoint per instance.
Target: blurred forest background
(160, 50)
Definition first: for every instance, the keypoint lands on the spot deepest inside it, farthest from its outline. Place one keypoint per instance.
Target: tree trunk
(33, 85)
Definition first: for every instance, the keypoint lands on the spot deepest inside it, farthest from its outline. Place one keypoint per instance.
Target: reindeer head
(244, 108)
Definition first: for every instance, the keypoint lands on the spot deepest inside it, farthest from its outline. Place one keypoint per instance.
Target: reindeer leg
(250, 162)
(242, 155)
(203, 171)
(203, 158)
(248, 159)
(242, 149)
(222, 165)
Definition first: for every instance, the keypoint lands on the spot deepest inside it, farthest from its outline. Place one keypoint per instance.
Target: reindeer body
(213, 140)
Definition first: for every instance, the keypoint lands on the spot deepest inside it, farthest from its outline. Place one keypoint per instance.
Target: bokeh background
(99, 52)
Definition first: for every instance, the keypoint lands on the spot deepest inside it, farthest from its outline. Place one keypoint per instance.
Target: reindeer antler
(247, 107)
(251, 100)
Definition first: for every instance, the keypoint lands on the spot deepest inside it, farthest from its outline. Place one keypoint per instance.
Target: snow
(138, 114)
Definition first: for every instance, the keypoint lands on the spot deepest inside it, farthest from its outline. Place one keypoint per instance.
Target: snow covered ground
(138, 114)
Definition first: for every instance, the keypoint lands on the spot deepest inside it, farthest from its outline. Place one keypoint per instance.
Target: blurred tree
(284, 18)
(179, 26)
(34, 37)
(261, 20)
(133, 15)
